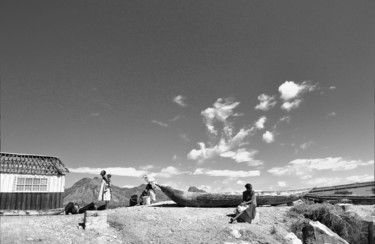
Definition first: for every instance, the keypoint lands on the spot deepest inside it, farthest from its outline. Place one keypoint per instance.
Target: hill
(195, 189)
(86, 191)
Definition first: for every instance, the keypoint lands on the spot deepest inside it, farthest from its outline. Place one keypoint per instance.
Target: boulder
(316, 233)
(291, 238)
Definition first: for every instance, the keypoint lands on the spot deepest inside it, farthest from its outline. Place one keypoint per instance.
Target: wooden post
(95, 220)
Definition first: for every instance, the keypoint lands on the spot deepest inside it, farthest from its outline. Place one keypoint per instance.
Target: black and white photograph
(187, 121)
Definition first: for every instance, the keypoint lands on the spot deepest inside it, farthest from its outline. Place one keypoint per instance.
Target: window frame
(31, 184)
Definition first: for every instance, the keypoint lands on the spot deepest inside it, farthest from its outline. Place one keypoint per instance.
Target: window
(31, 184)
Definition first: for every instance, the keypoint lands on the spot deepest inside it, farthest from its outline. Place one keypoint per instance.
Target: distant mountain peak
(86, 190)
(195, 189)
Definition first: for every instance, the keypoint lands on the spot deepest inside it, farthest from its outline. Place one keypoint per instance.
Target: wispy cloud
(94, 114)
(306, 145)
(120, 171)
(226, 173)
(281, 183)
(162, 124)
(305, 168)
(146, 167)
(332, 87)
(180, 100)
(243, 155)
(332, 114)
(291, 93)
(266, 102)
(175, 118)
(184, 137)
(128, 186)
(221, 111)
(225, 141)
(259, 124)
(221, 148)
(168, 172)
(268, 137)
(289, 105)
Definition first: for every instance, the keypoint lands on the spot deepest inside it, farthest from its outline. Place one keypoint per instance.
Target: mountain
(195, 189)
(86, 191)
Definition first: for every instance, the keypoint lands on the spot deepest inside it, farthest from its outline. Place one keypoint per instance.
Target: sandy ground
(162, 223)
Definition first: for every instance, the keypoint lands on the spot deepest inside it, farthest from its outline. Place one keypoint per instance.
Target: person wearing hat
(247, 209)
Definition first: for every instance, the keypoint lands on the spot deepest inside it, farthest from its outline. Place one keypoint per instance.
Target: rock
(236, 234)
(316, 233)
(291, 238)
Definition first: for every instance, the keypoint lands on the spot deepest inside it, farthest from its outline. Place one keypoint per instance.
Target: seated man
(246, 211)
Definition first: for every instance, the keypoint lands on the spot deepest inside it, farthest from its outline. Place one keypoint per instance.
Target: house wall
(8, 182)
(13, 199)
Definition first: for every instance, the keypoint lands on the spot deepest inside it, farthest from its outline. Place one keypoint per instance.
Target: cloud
(268, 137)
(291, 93)
(128, 186)
(180, 100)
(221, 148)
(224, 140)
(266, 102)
(305, 168)
(259, 124)
(168, 172)
(120, 171)
(175, 118)
(243, 155)
(290, 90)
(306, 145)
(281, 183)
(184, 137)
(159, 123)
(227, 173)
(221, 111)
(289, 105)
(147, 167)
(241, 182)
(332, 87)
(332, 114)
(94, 114)
(360, 178)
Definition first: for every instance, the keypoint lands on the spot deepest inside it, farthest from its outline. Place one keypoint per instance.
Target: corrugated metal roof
(13, 163)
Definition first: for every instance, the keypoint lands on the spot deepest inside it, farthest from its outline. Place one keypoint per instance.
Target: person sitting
(246, 211)
(71, 208)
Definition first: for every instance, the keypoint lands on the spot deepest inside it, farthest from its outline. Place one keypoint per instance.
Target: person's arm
(252, 199)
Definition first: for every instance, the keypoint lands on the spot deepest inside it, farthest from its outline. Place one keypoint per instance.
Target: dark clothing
(249, 213)
(247, 195)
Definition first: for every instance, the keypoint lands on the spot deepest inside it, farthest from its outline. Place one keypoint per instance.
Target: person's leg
(236, 217)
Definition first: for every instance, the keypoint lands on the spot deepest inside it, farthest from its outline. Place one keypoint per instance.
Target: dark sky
(94, 83)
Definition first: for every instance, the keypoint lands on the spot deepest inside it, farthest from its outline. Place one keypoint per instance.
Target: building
(31, 182)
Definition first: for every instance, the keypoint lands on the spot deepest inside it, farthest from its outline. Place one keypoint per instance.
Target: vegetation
(345, 224)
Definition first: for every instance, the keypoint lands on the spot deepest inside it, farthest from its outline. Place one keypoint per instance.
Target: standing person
(105, 193)
(247, 209)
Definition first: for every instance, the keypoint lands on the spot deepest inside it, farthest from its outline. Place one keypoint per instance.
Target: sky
(213, 94)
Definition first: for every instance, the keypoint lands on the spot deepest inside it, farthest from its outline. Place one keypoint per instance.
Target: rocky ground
(160, 223)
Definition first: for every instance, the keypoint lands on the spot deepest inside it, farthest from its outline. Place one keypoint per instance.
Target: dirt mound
(164, 222)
